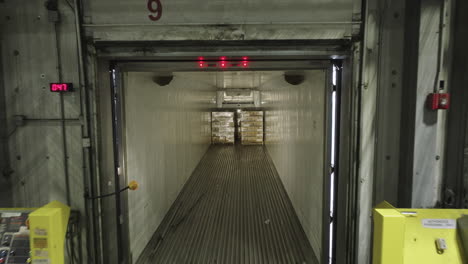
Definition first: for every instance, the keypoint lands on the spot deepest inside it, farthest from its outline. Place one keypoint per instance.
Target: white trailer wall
(167, 132)
(295, 138)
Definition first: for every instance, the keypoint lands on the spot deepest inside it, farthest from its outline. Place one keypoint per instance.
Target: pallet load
(252, 127)
(222, 128)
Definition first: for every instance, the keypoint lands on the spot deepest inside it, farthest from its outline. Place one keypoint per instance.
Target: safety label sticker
(7, 215)
(440, 223)
(41, 253)
(40, 242)
(40, 231)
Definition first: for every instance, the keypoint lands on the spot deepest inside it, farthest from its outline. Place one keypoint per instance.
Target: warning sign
(40, 243)
(40, 231)
(439, 223)
(41, 253)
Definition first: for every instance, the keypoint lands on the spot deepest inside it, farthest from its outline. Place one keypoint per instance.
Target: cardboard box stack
(252, 127)
(222, 127)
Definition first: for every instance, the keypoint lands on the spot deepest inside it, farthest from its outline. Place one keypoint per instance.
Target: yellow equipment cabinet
(417, 236)
(48, 227)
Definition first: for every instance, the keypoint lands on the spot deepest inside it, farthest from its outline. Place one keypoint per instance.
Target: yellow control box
(48, 228)
(416, 236)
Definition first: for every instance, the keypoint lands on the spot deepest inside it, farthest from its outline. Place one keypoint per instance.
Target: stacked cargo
(222, 128)
(252, 127)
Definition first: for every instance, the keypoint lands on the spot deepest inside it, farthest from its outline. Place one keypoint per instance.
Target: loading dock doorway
(283, 157)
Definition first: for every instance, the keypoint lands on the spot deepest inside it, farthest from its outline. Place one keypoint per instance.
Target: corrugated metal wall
(167, 133)
(295, 138)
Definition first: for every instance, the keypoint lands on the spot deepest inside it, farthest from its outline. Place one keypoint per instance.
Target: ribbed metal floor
(233, 209)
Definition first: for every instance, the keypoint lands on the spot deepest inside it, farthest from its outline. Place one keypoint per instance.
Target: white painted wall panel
(29, 64)
(295, 138)
(429, 125)
(221, 11)
(108, 20)
(167, 133)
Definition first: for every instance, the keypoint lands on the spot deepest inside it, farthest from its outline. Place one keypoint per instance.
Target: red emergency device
(436, 101)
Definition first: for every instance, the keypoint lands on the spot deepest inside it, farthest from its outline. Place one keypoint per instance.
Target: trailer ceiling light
(294, 78)
(163, 80)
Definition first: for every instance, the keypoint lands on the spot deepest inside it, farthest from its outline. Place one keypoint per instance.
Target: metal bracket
(449, 199)
(86, 142)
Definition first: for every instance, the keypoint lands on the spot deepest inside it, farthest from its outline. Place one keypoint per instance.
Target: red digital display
(61, 87)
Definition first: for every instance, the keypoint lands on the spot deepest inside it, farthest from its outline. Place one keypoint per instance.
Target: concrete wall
(295, 139)
(167, 132)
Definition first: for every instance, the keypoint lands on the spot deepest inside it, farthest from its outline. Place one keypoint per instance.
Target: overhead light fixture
(294, 78)
(163, 80)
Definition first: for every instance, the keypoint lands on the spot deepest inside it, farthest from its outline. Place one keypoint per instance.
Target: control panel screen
(14, 237)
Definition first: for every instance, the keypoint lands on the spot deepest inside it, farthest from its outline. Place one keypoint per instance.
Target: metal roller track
(233, 209)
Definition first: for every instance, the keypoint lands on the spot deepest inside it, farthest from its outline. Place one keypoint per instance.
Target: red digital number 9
(155, 7)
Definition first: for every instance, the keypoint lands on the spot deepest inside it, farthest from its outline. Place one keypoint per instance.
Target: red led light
(201, 62)
(224, 62)
(61, 87)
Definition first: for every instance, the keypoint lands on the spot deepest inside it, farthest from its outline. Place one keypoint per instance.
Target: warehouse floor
(233, 209)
